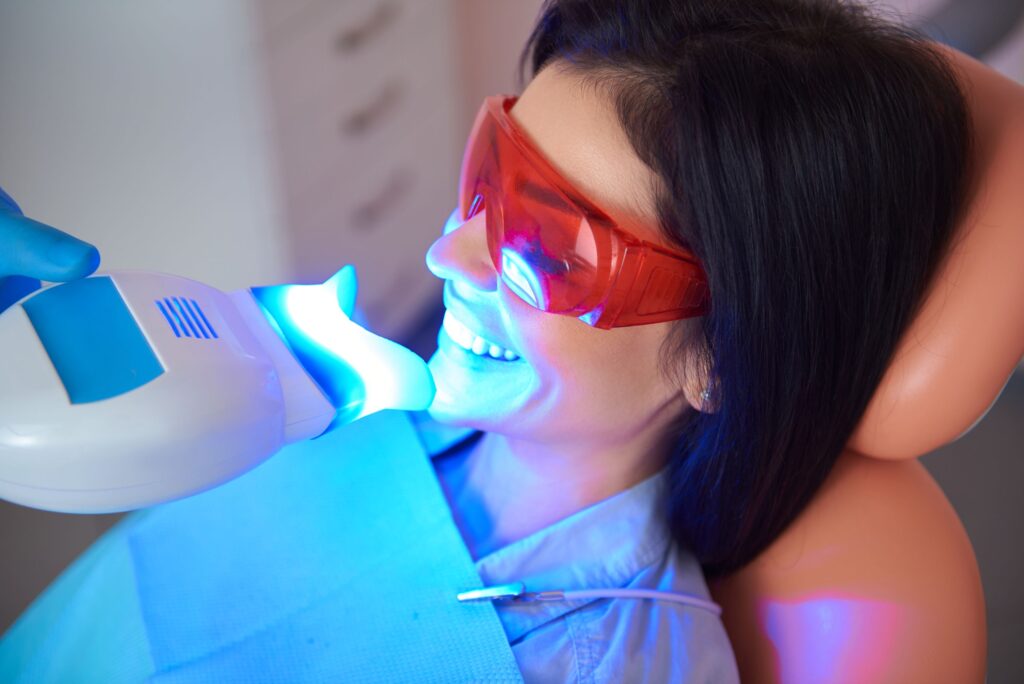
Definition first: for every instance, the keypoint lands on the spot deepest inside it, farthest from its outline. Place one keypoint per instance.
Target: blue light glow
(360, 372)
(453, 222)
(819, 636)
(520, 277)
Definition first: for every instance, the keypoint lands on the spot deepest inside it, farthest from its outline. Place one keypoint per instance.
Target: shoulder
(876, 578)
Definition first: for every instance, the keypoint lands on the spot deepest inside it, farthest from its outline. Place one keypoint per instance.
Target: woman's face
(561, 380)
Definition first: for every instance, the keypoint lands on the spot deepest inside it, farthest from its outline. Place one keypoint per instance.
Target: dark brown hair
(814, 157)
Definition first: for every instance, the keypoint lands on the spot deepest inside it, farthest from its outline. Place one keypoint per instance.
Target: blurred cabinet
(237, 142)
(365, 109)
(240, 142)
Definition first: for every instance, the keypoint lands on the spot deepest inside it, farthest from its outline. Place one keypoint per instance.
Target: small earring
(704, 396)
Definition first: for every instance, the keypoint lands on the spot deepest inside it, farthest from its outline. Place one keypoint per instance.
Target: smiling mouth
(466, 339)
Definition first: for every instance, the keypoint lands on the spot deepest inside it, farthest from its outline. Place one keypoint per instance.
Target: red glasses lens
(543, 247)
(558, 251)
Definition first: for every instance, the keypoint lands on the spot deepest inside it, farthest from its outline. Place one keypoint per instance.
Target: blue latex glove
(31, 251)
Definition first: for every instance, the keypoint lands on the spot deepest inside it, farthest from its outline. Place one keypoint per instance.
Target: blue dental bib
(335, 560)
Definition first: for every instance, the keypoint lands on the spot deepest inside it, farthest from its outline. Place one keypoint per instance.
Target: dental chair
(876, 580)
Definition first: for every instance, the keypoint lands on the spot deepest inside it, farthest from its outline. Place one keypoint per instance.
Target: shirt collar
(603, 546)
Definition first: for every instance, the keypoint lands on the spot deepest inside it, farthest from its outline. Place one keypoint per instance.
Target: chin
(462, 412)
(477, 393)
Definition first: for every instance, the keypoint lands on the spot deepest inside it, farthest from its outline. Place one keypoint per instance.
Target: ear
(697, 378)
(700, 395)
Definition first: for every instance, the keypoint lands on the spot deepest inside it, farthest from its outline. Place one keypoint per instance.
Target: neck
(502, 489)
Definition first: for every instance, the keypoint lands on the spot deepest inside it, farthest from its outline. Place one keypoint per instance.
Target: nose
(461, 255)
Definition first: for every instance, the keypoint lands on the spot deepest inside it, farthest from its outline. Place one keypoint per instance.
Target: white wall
(141, 128)
(1008, 57)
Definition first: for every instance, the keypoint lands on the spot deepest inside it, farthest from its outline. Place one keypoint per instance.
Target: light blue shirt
(618, 543)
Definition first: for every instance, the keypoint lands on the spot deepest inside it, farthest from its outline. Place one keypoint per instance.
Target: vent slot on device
(186, 318)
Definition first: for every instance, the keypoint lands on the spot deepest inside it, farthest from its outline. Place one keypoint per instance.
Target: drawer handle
(351, 39)
(360, 121)
(368, 216)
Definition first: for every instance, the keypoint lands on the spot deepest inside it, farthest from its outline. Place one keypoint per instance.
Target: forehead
(575, 126)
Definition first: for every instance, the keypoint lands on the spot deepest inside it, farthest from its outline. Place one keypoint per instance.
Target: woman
(792, 171)
(812, 158)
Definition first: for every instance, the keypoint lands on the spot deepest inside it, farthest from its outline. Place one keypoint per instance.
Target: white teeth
(456, 330)
(464, 337)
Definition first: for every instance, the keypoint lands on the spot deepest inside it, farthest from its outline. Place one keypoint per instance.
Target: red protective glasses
(556, 249)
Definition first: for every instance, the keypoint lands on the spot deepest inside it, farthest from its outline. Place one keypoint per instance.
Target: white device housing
(221, 406)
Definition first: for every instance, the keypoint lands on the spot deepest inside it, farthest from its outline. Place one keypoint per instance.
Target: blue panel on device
(92, 339)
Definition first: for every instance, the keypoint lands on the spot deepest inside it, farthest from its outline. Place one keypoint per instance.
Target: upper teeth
(464, 337)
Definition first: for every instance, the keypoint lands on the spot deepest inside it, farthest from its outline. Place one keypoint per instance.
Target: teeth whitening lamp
(128, 389)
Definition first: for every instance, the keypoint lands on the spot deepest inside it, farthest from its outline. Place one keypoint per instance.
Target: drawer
(368, 206)
(403, 235)
(351, 134)
(354, 129)
(382, 221)
(358, 123)
(397, 296)
(275, 19)
(352, 43)
(365, 127)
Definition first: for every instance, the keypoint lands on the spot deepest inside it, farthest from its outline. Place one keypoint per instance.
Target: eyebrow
(539, 193)
(565, 199)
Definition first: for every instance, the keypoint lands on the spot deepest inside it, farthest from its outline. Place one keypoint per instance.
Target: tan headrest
(959, 353)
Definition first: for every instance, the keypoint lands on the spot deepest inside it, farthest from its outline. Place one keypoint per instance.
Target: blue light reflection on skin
(831, 633)
(516, 271)
(521, 278)
(360, 372)
(453, 221)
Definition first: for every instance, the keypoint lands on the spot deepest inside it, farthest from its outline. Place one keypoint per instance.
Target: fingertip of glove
(75, 258)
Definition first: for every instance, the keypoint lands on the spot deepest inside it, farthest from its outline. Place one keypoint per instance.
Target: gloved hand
(31, 251)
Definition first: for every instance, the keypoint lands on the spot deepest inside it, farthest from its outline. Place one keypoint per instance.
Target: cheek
(597, 373)
(552, 345)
